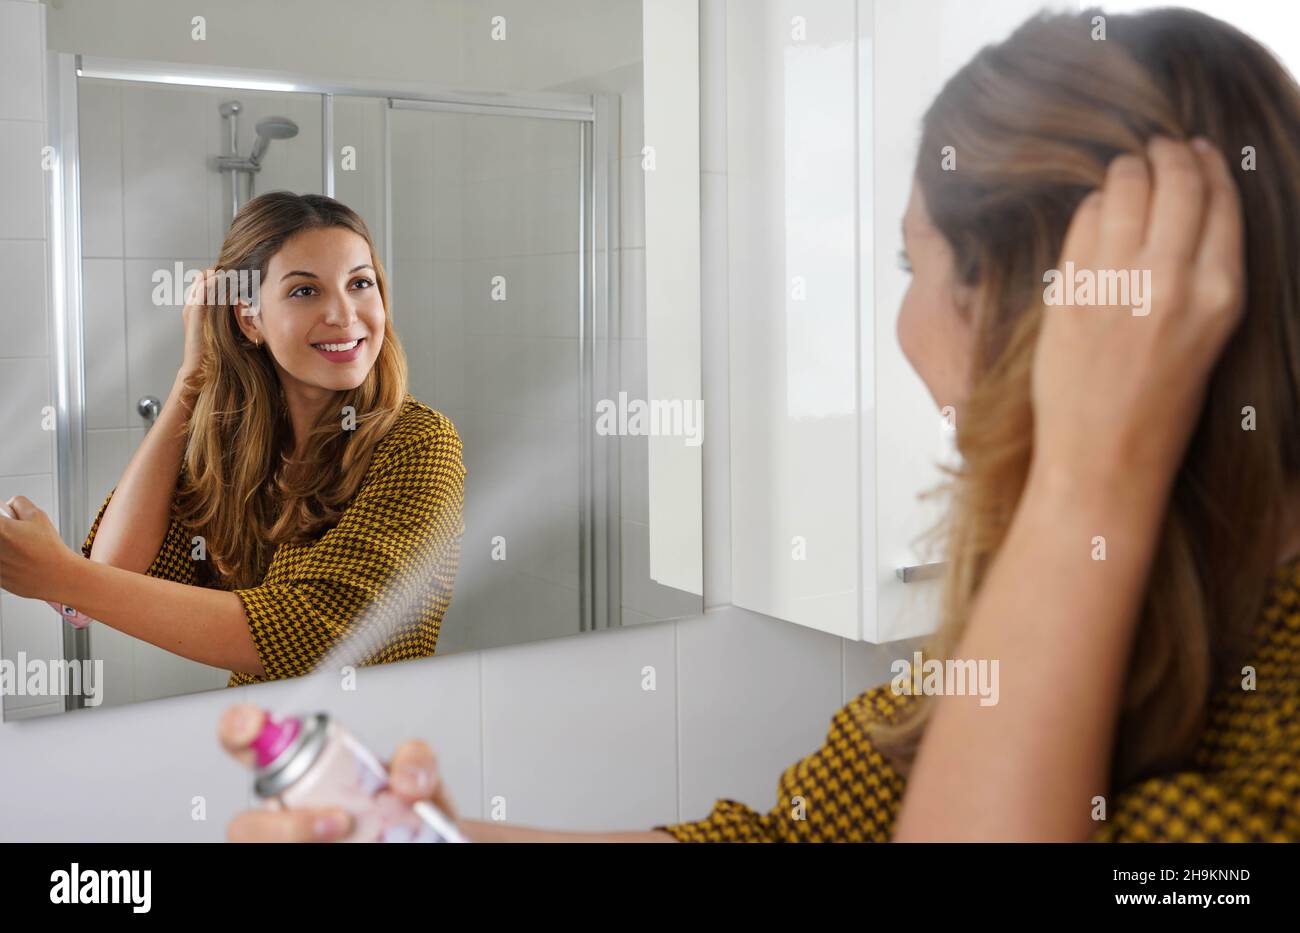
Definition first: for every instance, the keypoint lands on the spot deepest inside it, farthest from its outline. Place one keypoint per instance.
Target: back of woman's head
(237, 487)
(1033, 122)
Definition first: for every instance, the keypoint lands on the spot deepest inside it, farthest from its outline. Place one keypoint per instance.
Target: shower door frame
(597, 116)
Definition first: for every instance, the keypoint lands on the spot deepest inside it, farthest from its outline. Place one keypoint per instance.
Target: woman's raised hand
(192, 315)
(1118, 385)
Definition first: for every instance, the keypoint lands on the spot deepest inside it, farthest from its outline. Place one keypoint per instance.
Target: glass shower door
(487, 270)
(156, 206)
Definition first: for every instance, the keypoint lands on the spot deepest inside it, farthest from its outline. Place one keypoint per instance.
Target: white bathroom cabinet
(833, 436)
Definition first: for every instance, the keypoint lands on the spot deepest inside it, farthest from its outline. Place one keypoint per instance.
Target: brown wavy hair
(1035, 121)
(239, 486)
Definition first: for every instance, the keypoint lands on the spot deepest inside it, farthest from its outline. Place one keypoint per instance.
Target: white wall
(561, 729)
(26, 376)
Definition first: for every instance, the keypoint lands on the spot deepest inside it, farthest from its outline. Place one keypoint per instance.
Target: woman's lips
(341, 356)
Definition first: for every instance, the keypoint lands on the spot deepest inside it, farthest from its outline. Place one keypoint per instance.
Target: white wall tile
(21, 64)
(27, 448)
(359, 123)
(108, 775)
(550, 377)
(104, 324)
(168, 136)
(485, 312)
(488, 208)
(23, 313)
(539, 608)
(99, 108)
(155, 334)
(108, 451)
(449, 210)
(550, 203)
(29, 632)
(546, 542)
(570, 739)
(160, 673)
(411, 298)
(754, 695)
(448, 150)
(552, 308)
(116, 652)
(632, 122)
(22, 181)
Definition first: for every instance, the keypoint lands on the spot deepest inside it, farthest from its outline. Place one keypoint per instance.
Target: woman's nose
(341, 311)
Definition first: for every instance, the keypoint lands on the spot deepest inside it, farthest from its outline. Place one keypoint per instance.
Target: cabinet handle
(921, 571)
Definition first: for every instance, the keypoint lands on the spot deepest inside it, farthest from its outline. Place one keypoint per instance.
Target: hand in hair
(192, 315)
(1120, 387)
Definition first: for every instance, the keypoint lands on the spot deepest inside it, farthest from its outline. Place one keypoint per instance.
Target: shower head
(269, 129)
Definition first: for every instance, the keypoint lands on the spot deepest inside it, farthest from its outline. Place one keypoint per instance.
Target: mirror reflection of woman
(292, 502)
(1150, 695)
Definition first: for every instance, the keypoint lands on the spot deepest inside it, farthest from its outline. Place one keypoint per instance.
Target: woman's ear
(246, 315)
(966, 299)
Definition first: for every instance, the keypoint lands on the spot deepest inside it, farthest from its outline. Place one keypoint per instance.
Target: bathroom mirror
(524, 170)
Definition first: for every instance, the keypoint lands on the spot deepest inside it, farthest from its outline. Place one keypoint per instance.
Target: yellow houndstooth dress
(391, 559)
(1242, 784)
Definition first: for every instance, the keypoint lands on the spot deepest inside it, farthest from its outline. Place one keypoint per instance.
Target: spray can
(313, 761)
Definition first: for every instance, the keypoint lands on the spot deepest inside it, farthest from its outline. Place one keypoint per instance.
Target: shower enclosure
(246, 169)
(495, 215)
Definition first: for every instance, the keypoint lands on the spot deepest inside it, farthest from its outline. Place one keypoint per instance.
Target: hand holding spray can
(75, 618)
(312, 761)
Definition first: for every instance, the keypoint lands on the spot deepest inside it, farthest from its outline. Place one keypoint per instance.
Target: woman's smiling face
(320, 288)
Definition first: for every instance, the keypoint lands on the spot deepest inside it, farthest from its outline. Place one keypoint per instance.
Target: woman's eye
(296, 291)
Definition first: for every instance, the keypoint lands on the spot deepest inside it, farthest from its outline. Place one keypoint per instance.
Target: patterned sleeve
(398, 540)
(844, 792)
(1250, 804)
(173, 561)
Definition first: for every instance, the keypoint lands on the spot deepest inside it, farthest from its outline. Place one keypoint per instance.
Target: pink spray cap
(275, 738)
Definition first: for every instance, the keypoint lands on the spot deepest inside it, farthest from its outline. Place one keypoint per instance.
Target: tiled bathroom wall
(26, 449)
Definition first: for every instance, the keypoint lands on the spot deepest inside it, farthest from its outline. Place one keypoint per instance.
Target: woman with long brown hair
(1123, 536)
(292, 502)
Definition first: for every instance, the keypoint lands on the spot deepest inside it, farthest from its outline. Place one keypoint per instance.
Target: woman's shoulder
(421, 447)
(880, 704)
(418, 423)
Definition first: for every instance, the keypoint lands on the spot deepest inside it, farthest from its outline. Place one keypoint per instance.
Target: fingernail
(245, 720)
(415, 778)
(330, 825)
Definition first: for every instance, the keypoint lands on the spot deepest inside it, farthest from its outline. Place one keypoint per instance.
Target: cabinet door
(792, 220)
(834, 436)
